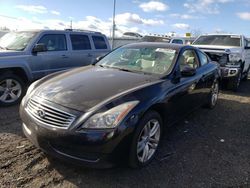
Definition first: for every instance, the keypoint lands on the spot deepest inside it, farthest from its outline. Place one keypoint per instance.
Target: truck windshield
(16, 40)
(219, 40)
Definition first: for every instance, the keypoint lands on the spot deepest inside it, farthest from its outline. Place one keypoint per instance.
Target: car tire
(146, 140)
(12, 89)
(235, 82)
(213, 95)
(246, 74)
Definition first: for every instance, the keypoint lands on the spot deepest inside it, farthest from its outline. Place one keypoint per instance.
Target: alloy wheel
(148, 140)
(215, 93)
(10, 90)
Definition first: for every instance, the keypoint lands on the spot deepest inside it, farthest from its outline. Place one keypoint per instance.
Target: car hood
(10, 53)
(84, 88)
(222, 49)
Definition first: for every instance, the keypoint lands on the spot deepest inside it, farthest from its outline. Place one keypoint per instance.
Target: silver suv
(29, 55)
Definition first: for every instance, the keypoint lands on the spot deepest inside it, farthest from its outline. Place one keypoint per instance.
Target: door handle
(64, 56)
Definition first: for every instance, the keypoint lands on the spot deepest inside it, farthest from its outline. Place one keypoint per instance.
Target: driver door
(188, 91)
(56, 57)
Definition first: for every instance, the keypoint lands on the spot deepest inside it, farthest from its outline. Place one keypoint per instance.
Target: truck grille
(48, 115)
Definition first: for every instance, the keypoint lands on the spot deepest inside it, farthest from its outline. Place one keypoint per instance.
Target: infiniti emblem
(41, 113)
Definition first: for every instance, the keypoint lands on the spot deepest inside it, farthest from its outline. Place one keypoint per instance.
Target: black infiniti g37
(117, 108)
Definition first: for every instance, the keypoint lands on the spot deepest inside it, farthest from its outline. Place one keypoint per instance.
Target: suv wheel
(12, 89)
(146, 140)
(213, 96)
(235, 82)
(246, 74)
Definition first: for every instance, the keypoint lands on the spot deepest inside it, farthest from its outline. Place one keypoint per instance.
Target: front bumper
(93, 148)
(228, 72)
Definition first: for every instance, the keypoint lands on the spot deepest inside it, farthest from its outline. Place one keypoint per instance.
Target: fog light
(232, 71)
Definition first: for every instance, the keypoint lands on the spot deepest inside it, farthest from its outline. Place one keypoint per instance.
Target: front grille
(48, 115)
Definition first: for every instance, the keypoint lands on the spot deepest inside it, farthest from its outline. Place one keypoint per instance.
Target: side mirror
(97, 60)
(39, 48)
(188, 71)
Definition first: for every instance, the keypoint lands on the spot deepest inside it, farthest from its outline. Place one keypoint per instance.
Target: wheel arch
(18, 71)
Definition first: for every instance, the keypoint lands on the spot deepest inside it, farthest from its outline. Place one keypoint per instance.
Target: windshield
(16, 41)
(145, 60)
(220, 40)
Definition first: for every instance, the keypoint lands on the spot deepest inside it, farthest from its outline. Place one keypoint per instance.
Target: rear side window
(80, 42)
(99, 42)
(54, 42)
(203, 58)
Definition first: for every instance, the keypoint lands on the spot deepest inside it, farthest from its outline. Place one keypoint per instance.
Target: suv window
(80, 42)
(54, 42)
(177, 41)
(188, 58)
(99, 42)
(203, 58)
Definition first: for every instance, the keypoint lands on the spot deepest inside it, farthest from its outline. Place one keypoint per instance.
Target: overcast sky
(143, 16)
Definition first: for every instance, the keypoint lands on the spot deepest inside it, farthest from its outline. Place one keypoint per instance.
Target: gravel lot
(210, 148)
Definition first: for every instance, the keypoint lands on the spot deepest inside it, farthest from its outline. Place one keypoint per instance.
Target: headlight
(110, 118)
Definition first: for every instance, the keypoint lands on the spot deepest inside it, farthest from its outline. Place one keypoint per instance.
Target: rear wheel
(12, 89)
(146, 140)
(213, 96)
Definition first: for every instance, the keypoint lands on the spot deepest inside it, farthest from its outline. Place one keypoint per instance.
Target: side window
(99, 42)
(203, 58)
(247, 44)
(188, 58)
(177, 41)
(80, 42)
(54, 42)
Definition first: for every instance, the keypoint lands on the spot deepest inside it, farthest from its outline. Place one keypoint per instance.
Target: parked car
(231, 51)
(182, 40)
(118, 107)
(29, 55)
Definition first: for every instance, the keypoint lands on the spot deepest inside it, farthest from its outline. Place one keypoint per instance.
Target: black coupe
(119, 106)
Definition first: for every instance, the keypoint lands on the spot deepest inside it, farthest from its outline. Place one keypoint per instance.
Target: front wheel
(146, 140)
(12, 89)
(246, 74)
(235, 82)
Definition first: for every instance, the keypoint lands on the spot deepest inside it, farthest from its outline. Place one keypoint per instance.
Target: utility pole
(71, 24)
(113, 33)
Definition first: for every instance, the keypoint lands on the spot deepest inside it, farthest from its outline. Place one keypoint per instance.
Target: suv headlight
(110, 118)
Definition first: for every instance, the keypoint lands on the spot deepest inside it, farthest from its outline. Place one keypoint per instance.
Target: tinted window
(99, 42)
(177, 41)
(80, 42)
(54, 42)
(203, 58)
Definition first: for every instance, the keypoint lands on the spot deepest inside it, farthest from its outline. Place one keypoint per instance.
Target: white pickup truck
(232, 52)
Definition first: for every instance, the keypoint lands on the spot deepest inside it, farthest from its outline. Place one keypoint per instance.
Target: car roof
(64, 31)
(176, 47)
